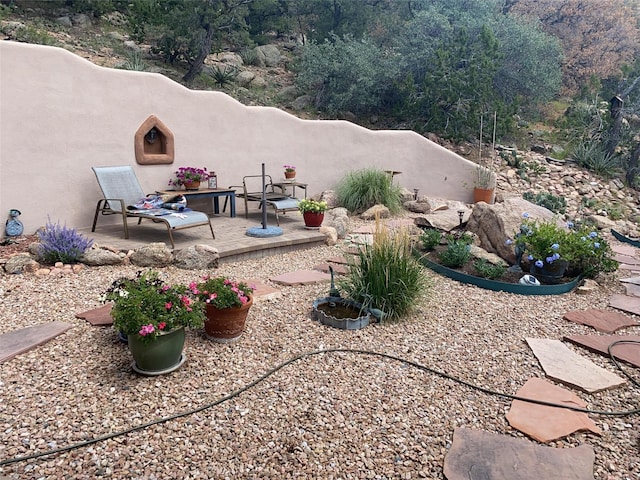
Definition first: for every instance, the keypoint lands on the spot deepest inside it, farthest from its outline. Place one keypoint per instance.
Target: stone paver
(569, 368)
(544, 423)
(302, 277)
(633, 280)
(629, 353)
(262, 291)
(626, 259)
(22, 340)
(605, 321)
(632, 290)
(625, 303)
(478, 455)
(98, 316)
(624, 249)
(338, 268)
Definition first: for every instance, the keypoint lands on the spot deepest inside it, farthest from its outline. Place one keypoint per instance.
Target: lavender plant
(61, 244)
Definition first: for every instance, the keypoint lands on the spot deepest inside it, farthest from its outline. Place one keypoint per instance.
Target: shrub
(385, 275)
(547, 200)
(430, 238)
(458, 253)
(588, 252)
(61, 244)
(489, 270)
(223, 76)
(249, 56)
(362, 189)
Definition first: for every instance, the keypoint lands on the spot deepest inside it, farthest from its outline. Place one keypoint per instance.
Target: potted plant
(153, 315)
(190, 177)
(484, 184)
(227, 303)
(312, 211)
(289, 171)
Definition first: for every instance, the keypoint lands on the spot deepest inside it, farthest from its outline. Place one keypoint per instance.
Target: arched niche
(154, 143)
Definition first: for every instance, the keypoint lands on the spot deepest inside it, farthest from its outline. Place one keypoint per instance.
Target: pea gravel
(326, 416)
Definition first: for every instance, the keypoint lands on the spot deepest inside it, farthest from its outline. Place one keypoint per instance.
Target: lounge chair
(121, 189)
(279, 200)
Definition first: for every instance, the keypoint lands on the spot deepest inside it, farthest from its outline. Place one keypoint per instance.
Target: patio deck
(231, 240)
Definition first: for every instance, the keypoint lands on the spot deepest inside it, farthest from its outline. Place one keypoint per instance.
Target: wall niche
(154, 143)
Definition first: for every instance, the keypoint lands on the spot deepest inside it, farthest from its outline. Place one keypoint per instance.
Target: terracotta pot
(313, 219)
(289, 174)
(227, 324)
(161, 355)
(483, 195)
(195, 185)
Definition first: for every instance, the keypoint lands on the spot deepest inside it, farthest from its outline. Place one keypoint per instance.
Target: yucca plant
(385, 275)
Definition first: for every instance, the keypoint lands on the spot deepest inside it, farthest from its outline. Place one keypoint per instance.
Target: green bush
(362, 189)
(223, 76)
(385, 275)
(458, 253)
(430, 238)
(547, 200)
(489, 270)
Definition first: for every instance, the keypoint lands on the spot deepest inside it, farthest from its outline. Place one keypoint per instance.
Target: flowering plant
(189, 174)
(147, 306)
(314, 206)
(222, 292)
(545, 242)
(289, 168)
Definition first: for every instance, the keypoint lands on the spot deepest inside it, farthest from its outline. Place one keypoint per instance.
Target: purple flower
(508, 241)
(555, 246)
(570, 225)
(539, 263)
(593, 235)
(596, 244)
(530, 257)
(525, 215)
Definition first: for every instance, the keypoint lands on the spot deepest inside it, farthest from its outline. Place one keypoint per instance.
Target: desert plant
(457, 253)
(385, 275)
(133, 62)
(223, 76)
(61, 244)
(249, 56)
(592, 156)
(430, 238)
(547, 200)
(362, 189)
(489, 270)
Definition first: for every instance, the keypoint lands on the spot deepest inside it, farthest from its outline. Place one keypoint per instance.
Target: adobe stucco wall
(60, 115)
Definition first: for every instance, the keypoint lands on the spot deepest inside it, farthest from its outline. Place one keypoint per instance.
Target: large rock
(197, 257)
(21, 263)
(495, 224)
(377, 211)
(96, 257)
(338, 218)
(443, 214)
(267, 56)
(152, 255)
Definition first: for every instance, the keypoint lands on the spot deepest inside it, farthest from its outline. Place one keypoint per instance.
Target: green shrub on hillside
(362, 189)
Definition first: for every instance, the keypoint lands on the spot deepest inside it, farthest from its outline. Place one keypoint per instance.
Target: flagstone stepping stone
(22, 340)
(633, 280)
(366, 230)
(632, 268)
(632, 289)
(627, 352)
(302, 277)
(623, 249)
(338, 269)
(341, 260)
(602, 320)
(478, 455)
(544, 423)
(262, 291)
(98, 316)
(626, 259)
(625, 303)
(569, 368)
(400, 222)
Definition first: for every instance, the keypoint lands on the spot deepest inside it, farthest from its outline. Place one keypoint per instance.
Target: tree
(597, 36)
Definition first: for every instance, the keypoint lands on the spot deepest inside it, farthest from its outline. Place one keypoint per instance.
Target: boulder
(443, 214)
(495, 224)
(21, 263)
(197, 257)
(152, 255)
(377, 211)
(267, 56)
(331, 235)
(96, 257)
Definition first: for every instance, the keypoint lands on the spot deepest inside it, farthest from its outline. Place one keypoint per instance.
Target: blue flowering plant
(545, 242)
(149, 307)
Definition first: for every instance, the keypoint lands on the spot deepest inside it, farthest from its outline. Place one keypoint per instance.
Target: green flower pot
(162, 355)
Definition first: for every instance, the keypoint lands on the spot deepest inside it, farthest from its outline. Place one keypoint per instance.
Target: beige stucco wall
(60, 115)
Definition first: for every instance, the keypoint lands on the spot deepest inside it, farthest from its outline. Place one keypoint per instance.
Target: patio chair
(121, 189)
(279, 200)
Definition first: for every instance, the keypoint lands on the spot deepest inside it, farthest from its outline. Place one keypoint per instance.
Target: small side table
(293, 184)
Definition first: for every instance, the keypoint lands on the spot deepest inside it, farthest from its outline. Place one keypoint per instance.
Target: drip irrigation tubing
(304, 355)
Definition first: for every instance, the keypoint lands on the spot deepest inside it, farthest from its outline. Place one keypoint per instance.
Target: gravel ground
(326, 416)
